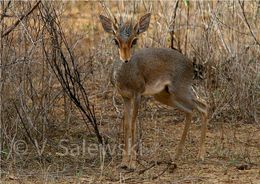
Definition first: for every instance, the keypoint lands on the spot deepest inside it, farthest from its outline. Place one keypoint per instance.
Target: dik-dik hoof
(132, 165)
(201, 155)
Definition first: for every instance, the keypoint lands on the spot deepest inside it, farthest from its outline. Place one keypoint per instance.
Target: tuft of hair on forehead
(125, 29)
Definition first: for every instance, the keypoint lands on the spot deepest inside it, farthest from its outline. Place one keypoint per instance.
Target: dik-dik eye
(134, 42)
(116, 42)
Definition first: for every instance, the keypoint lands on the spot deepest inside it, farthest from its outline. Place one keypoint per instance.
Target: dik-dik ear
(107, 24)
(143, 23)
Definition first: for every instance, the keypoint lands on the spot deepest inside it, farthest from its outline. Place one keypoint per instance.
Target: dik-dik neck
(116, 69)
(125, 73)
(127, 78)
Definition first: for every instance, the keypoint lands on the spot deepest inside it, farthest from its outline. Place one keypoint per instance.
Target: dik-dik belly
(155, 87)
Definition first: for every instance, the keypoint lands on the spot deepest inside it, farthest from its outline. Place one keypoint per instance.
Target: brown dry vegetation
(37, 114)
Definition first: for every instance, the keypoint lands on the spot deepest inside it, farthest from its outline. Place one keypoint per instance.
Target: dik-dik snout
(125, 47)
(125, 34)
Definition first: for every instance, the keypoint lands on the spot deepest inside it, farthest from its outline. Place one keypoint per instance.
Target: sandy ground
(233, 156)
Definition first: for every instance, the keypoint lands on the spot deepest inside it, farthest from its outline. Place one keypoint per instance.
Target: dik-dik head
(125, 34)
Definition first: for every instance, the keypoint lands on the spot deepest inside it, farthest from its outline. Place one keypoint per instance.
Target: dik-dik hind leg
(202, 108)
(184, 135)
(186, 105)
(183, 103)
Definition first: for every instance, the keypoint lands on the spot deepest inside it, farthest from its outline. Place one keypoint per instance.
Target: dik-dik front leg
(126, 131)
(131, 107)
(135, 104)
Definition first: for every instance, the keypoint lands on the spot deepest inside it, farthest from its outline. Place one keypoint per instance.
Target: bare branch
(65, 68)
(247, 23)
(4, 11)
(12, 27)
(173, 23)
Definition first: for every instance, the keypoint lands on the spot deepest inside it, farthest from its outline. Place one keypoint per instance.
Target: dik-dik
(163, 73)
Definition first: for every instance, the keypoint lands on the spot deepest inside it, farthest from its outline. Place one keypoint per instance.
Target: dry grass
(215, 34)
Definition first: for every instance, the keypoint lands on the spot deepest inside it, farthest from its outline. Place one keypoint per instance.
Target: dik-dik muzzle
(125, 34)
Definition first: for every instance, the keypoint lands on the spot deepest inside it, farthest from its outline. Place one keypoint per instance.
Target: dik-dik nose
(125, 56)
